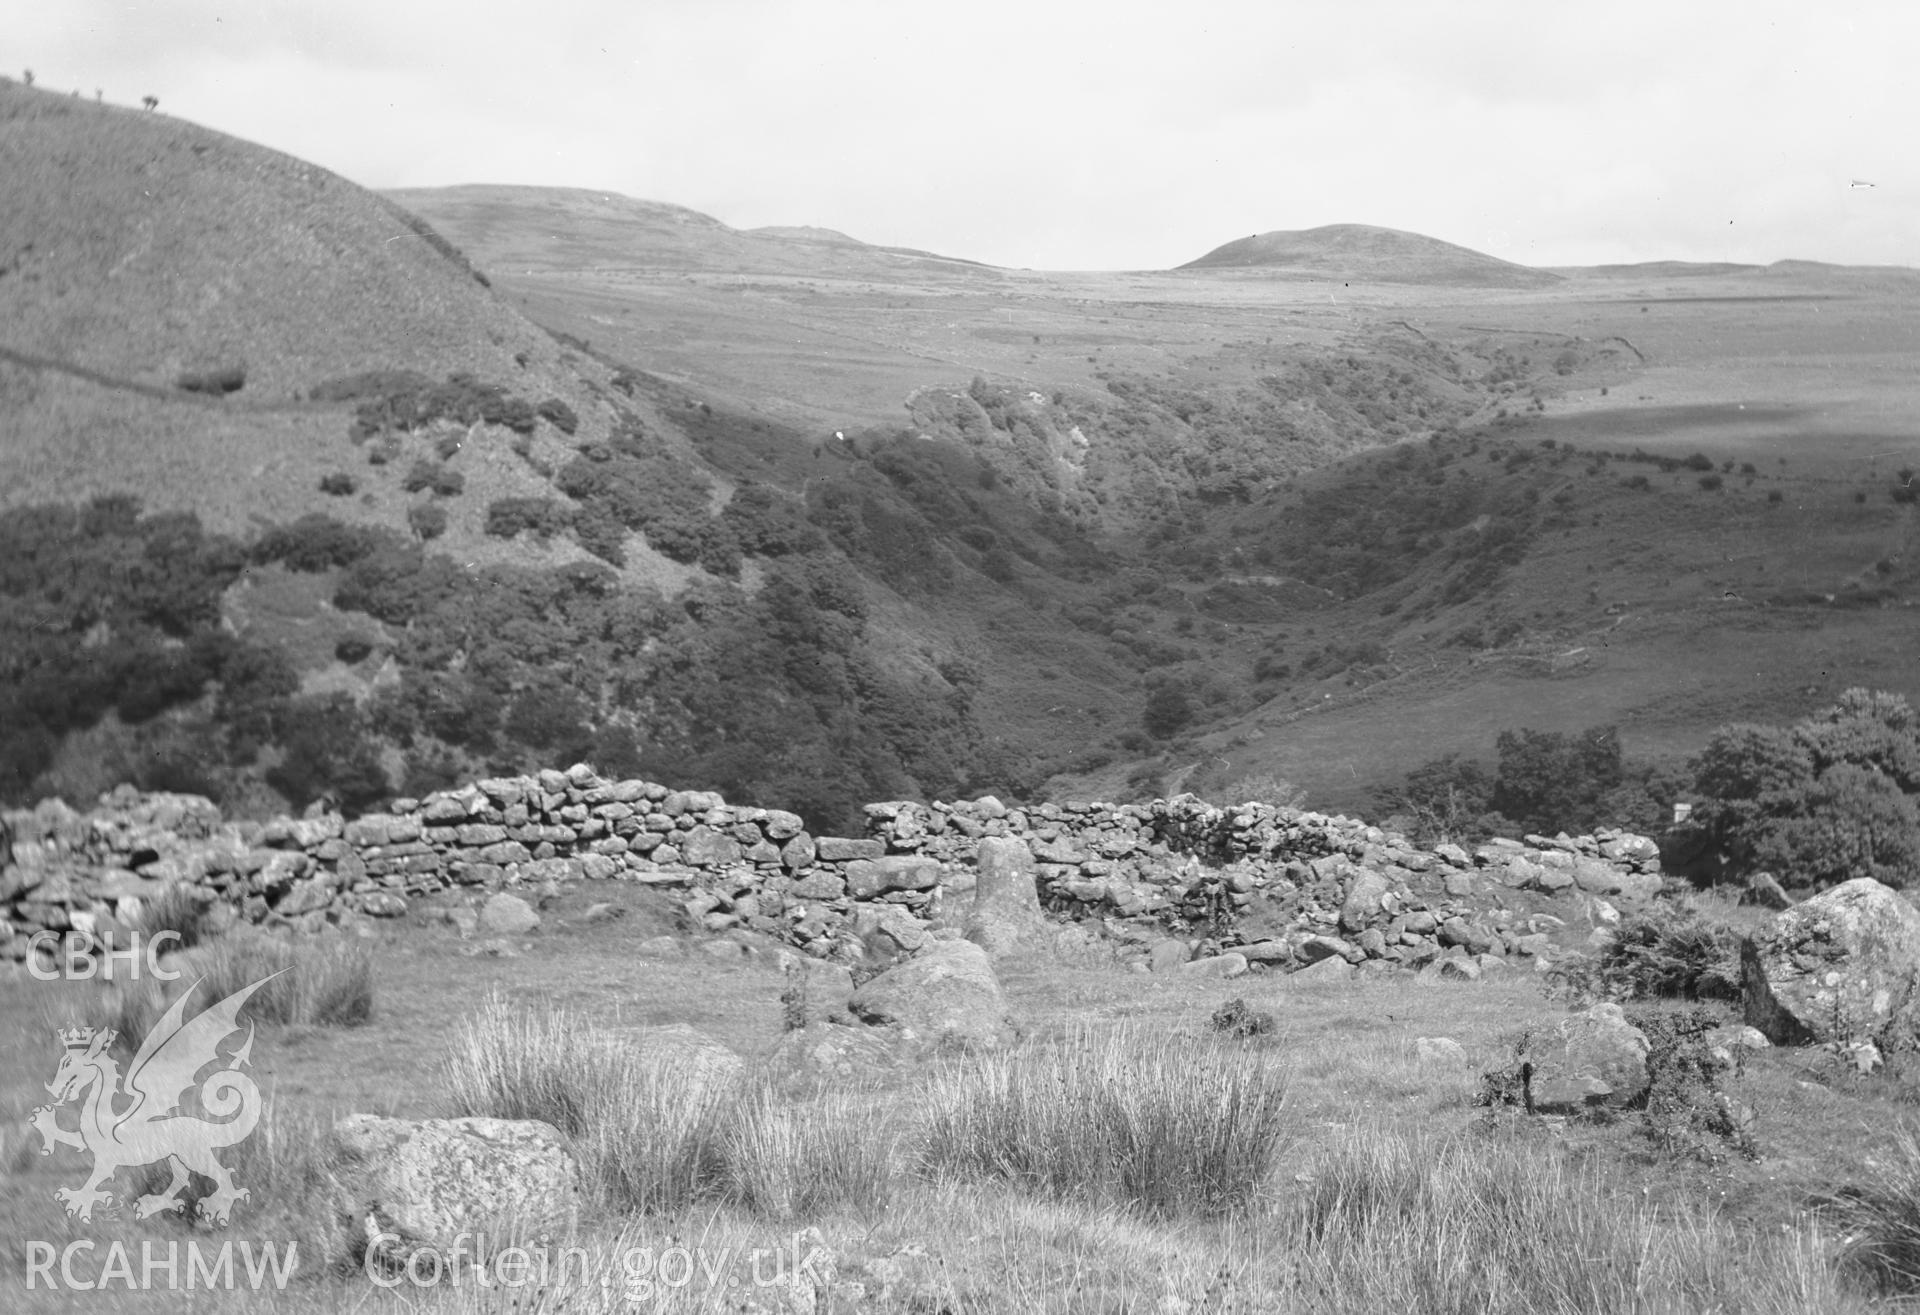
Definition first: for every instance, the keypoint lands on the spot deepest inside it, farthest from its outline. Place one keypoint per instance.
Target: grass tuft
(1882, 1255)
(321, 985)
(788, 1161)
(182, 909)
(1160, 1123)
(647, 1126)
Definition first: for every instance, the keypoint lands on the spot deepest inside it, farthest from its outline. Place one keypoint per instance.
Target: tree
(1550, 781)
(1834, 796)
(1447, 800)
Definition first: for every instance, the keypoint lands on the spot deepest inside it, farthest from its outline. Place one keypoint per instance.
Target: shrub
(508, 517)
(214, 383)
(1688, 1109)
(1699, 461)
(559, 414)
(1775, 496)
(1168, 711)
(338, 485)
(1663, 951)
(316, 542)
(1711, 483)
(427, 519)
(432, 475)
(403, 400)
(1165, 1124)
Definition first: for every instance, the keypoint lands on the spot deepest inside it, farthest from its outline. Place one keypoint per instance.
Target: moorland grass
(181, 909)
(648, 1127)
(1161, 1122)
(1387, 1193)
(324, 984)
(1492, 1222)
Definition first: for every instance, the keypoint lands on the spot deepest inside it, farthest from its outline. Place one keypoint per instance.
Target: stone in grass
(1440, 1052)
(397, 1187)
(508, 915)
(1237, 1018)
(1167, 954)
(1215, 965)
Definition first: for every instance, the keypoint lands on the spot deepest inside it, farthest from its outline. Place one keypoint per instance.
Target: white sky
(1121, 134)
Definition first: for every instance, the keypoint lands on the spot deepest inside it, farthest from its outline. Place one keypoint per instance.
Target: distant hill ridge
(515, 227)
(1365, 253)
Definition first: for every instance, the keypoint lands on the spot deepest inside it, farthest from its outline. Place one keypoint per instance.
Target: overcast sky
(1124, 134)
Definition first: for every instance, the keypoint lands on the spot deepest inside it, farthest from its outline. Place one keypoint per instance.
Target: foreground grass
(1385, 1192)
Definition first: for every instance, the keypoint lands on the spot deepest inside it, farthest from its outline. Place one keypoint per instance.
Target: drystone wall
(1285, 887)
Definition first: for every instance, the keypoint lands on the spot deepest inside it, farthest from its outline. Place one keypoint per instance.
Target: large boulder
(1843, 966)
(1595, 1059)
(400, 1185)
(1006, 898)
(946, 992)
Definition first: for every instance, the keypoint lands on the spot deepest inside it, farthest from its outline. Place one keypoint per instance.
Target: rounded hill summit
(1365, 253)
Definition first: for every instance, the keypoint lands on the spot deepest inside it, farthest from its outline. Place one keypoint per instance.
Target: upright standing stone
(1006, 898)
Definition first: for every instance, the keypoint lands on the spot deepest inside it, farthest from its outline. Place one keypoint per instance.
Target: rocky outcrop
(399, 1185)
(1844, 966)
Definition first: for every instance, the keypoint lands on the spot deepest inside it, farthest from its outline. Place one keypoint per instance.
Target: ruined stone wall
(1289, 886)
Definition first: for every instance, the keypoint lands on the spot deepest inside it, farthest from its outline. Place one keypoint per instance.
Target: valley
(1675, 603)
(972, 524)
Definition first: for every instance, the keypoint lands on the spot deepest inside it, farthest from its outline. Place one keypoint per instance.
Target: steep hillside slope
(1364, 253)
(290, 498)
(171, 298)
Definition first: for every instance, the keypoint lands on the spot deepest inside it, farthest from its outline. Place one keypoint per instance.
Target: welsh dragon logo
(138, 1121)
